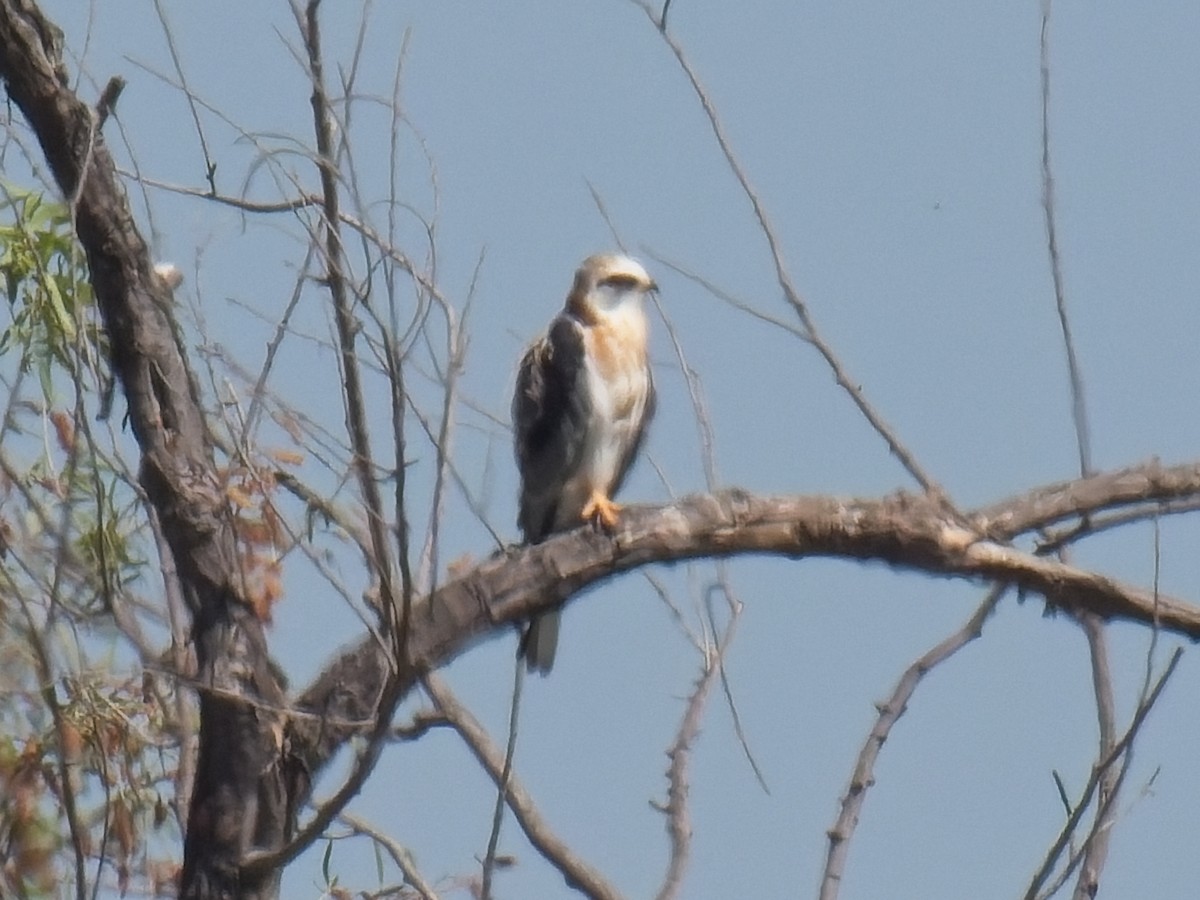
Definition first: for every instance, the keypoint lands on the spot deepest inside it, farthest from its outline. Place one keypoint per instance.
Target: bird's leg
(601, 510)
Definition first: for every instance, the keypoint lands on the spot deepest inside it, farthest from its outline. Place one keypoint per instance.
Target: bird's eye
(619, 281)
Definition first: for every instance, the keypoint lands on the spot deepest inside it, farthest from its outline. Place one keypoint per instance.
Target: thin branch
(1101, 492)
(456, 351)
(1053, 541)
(726, 297)
(890, 712)
(347, 326)
(395, 620)
(239, 203)
(210, 167)
(282, 327)
(1118, 751)
(510, 749)
(707, 438)
(577, 873)
(1095, 850)
(397, 851)
(736, 606)
(784, 278)
(662, 17)
(1078, 406)
(676, 809)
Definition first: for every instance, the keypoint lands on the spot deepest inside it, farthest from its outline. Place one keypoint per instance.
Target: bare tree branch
(1045, 506)
(210, 167)
(863, 777)
(1118, 751)
(238, 748)
(783, 276)
(676, 809)
(1095, 852)
(347, 327)
(397, 851)
(1078, 406)
(510, 749)
(577, 873)
(904, 531)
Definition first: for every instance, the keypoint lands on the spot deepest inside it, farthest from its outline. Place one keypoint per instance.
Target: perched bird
(583, 398)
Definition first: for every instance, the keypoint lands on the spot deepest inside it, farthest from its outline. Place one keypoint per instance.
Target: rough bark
(238, 801)
(256, 765)
(904, 531)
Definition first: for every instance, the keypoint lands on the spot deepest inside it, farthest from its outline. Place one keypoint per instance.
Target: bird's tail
(541, 642)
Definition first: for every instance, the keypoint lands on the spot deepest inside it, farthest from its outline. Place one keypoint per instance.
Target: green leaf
(325, 861)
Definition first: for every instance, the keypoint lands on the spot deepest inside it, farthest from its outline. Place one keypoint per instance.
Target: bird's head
(606, 283)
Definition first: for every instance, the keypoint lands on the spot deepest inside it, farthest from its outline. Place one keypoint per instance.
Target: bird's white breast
(618, 384)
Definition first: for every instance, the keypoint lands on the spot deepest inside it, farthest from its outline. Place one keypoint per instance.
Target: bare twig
(239, 203)
(577, 873)
(676, 809)
(1053, 541)
(489, 859)
(726, 297)
(1118, 751)
(210, 167)
(1078, 406)
(456, 352)
(890, 712)
(392, 618)
(1095, 851)
(397, 851)
(725, 584)
(281, 331)
(707, 438)
(783, 276)
(347, 326)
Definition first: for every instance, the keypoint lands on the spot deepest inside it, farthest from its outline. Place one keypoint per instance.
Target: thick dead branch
(255, 768)
(904, 531)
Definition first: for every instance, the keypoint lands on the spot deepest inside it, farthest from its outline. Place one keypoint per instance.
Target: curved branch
(1104, 491)
(578, 874)
(889, 713)
(905, 531)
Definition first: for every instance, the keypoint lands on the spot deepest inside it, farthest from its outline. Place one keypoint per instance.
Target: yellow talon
(601, 510)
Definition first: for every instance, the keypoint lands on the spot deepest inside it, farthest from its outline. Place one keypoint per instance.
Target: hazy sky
(897, 150)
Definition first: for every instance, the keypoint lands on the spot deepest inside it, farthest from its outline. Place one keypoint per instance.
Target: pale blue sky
(897, 150)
